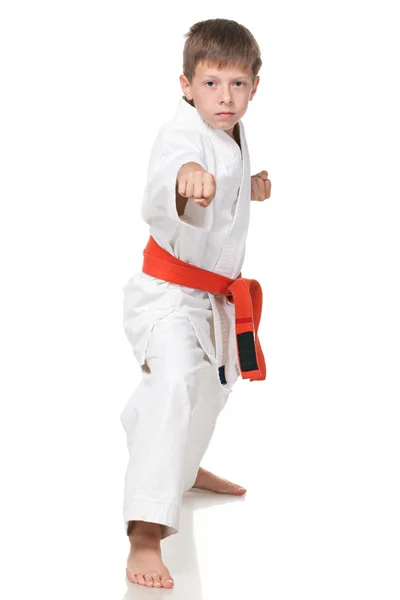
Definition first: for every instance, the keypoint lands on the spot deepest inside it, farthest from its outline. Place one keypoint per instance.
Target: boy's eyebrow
(243, 76)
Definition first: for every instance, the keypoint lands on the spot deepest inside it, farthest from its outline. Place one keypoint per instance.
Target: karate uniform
(183, 338)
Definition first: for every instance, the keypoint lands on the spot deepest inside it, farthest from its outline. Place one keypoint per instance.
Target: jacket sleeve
(172, 149)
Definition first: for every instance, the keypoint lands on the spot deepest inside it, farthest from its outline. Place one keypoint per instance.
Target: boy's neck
(236, 134)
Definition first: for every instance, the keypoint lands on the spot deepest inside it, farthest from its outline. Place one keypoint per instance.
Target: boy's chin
(224, 126)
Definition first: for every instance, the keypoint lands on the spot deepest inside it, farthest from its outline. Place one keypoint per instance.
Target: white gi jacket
(212, 238)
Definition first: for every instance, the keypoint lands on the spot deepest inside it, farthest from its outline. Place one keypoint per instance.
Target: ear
(254, 88)
(186, 87)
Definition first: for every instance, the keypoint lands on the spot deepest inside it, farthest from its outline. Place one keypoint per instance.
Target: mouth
(225, 114)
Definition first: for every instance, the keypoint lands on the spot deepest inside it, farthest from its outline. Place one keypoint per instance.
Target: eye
(207, 82)
(242, 82)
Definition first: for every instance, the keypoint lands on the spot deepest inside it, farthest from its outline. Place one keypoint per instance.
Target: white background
(85, 87)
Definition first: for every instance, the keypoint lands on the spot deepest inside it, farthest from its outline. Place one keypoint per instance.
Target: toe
(157, 580)
(131, 576)
(167, 582)
(141, 580)
(237, 488)
(149, 580)
(241, 489)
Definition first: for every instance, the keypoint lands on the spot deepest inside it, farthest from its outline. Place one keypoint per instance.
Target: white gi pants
(169, 421)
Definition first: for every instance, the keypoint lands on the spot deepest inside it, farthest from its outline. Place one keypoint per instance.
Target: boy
(184, 336)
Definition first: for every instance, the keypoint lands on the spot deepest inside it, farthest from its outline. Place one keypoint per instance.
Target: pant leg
(159, 418)
(211, 399)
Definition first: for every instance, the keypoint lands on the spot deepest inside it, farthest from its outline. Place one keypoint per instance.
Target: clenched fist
(193, 181)
(260, 186)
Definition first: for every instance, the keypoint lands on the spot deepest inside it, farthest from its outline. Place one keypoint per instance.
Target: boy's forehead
(204, 68)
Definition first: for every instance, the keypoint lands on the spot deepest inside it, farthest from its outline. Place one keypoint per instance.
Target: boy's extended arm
(185, 169)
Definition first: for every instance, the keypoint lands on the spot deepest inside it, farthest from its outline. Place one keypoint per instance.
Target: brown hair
(220, 43)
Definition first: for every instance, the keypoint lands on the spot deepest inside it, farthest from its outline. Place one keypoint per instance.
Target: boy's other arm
(193, 181)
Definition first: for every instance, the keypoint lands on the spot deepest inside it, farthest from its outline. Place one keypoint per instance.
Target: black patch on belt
(221, 373)
(247, 351)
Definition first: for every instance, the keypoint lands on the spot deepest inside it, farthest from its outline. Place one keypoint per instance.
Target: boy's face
(216, 91)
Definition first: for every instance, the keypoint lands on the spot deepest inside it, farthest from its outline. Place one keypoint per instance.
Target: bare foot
(208, 481)
(145, 566)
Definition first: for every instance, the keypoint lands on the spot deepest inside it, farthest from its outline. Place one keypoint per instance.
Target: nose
(226, 95)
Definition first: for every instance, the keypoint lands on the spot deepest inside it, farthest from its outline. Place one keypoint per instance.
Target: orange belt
(246, 294)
